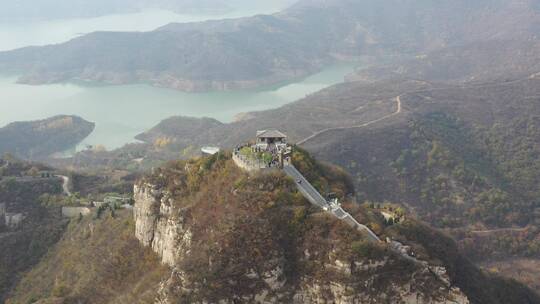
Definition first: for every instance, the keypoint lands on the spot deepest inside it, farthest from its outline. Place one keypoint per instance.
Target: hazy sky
(34, 23)
(25, 10)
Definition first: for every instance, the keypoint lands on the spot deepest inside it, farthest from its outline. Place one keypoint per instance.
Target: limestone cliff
(234, 238)
(157, 226)
(161, 227)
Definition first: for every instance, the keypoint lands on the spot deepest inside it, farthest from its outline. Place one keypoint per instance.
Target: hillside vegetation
(238, 237)
(39, 139)
(98, 260)
(23, 247)
(268, 49)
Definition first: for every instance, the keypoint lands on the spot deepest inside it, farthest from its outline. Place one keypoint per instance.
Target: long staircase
(305, 187)
(314, 197)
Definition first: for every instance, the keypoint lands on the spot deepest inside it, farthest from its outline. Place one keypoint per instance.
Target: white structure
(210, 150)
(73, 212)
(127, 207)
(13, 220)
(99, 204)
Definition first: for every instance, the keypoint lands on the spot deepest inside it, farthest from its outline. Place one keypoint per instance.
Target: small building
(99, 204)
(269, 151)
(74, 212)
(208, 151)
(268, 138)
(45, 174)
(127, 207)
(14, 220)
(116, 201)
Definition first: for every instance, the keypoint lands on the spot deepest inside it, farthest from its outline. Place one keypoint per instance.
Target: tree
(34, 171)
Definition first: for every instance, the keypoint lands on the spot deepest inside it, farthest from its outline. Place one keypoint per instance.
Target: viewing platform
(269, 151)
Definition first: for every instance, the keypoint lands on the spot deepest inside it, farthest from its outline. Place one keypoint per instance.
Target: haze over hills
(27, 10)
(250, 52)
(462, 157)
(444, 131)
(203, 230)
(481, 61)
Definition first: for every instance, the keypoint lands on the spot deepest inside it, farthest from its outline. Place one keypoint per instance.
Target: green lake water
(121, 112)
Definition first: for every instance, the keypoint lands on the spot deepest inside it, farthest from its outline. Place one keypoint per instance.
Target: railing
(312, 195)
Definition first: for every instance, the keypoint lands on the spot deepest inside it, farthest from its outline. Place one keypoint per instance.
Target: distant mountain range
(266, 49)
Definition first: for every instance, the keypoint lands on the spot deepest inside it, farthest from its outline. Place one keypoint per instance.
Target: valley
(118, 121)
(266, 239)
(417, 122)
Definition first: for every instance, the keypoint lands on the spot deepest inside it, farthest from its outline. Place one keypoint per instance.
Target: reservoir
(122, 112)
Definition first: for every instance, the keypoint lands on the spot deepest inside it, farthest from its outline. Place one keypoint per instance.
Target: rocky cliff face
(158, 226)
(163, 228)
(223, 248)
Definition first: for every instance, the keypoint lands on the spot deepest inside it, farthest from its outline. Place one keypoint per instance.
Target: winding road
(399, 104)
(318, 133)
(500, 230)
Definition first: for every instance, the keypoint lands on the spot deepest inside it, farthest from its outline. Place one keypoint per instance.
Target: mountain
(41, 138)
(267, 49)
(480, 61)
(97, 260)
(223, 235)
(33, 228)
(462, 157)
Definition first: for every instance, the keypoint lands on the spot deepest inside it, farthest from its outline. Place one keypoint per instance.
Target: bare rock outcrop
(166, 227)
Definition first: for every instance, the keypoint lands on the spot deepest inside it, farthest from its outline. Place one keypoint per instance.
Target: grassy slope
(246, 224)
(42, 228)
(252, 224)
(97, 261)
(481, 288)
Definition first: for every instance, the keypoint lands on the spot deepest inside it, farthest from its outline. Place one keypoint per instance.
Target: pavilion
(268, 139)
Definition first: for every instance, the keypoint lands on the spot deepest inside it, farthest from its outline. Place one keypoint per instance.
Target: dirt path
(499, 230)
(399, 104)
(318, 133)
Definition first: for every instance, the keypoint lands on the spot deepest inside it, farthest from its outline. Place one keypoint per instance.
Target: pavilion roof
(270, 134)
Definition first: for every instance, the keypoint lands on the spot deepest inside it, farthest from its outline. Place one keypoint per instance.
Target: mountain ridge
(266, 49)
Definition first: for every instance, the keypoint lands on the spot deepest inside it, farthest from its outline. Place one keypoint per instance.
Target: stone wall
(247, 164)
